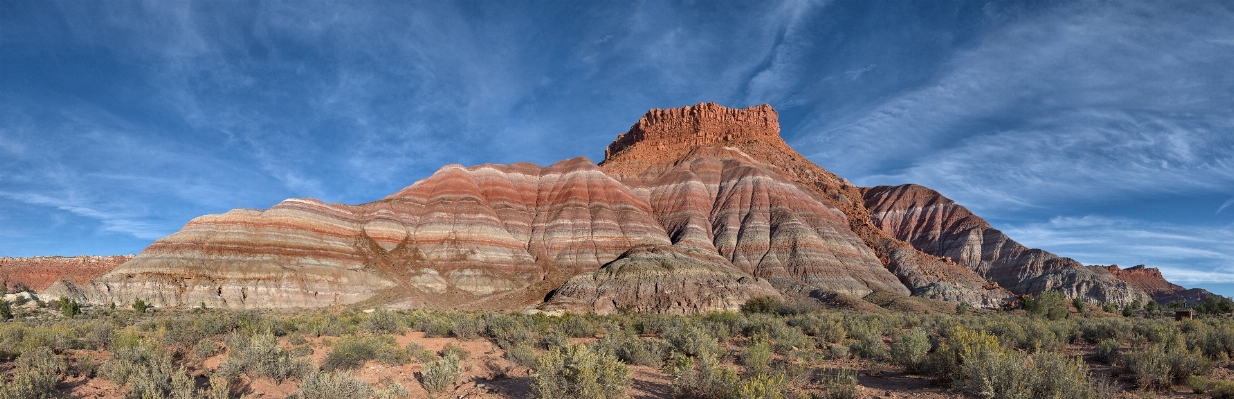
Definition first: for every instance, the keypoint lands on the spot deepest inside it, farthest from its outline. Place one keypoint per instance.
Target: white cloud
(1185, 254)
(118, 222)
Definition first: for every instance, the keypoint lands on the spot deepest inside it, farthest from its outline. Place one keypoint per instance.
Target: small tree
(69, 307)
(1079, 305)
(1050, 304)
(1151, 307)
(139, 305)
(6, 310)
(1214, 305)
(1131, 308)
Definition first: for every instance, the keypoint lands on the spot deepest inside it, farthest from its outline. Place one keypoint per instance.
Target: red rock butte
(693, 209)
(697, 126)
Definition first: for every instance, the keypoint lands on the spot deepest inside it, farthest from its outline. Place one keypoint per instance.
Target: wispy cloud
(116, 222)
(1224, 205)
(1079, 102)
(1186, 254)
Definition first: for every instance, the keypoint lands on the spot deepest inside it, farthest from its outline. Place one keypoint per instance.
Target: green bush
(69, 307)
(439, 376)
(466, 328)
(762, 386)
(37, 373)
(909, 350)
(328, 385)
(139, 305)
(381, 322)
(206, 349)
(1222, 390)
(1050, 304)
(690, 340)
(352, 351)
(757, 358)
(839, 384)
(703, 377)
(6, 310)
(262, 357)
(1106, 350)
(579, 372)
(457, 351)
(522, 355)
(763, 304)
(1215, 305)
(1198, 384)
(1159, 365)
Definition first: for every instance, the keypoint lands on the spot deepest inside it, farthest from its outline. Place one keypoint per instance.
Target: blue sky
(1099, 130)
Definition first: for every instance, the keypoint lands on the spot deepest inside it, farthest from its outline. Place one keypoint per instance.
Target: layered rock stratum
(693, 209)
(39, 272)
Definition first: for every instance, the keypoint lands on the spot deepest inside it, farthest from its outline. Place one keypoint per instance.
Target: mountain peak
(697, 125)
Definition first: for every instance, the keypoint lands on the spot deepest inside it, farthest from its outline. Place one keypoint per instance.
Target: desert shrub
(579, 372)
(6, 310)
(839, 384)
(69, 307)
(457, 351)
(1106, 350)
(555, 339)
(1148, 367)
(1198, 384)
(439, 376)
(301, 351)
(522, 355)
(961, 345)
(139, 305)
(577, 326)
(323, 324)
(764, 304)
(417, 351)
(762, 386)
(757, 358)
(630, 349)
(703, 377)
(262, 357)
(507, 331)
(962, 308)
(1222, 390)
(1050, 304)
(690, 340)
(352, 351)
(392, 391)
(147, 371)
(37, 373)
(296, 339)
(1097, 330)
(867, 341)
(329, 385)
(206, 349)
(382, 321)
(909, 350)
(466, 328)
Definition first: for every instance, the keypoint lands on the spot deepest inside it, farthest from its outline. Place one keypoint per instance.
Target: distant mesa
(693, 209)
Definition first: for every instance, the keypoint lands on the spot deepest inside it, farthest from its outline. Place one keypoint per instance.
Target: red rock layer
(937, 225)
(477, 231)
(39, 272)
(656, 148)
(1152, 282)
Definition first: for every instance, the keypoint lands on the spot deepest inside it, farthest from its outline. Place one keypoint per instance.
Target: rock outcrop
(1150, 280)
(693, 209)
(937, 225)
(39, 272)
(659, 279)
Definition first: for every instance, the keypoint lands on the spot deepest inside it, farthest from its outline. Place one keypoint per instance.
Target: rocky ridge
(39, 272)
(1150, 280)
(693, 209)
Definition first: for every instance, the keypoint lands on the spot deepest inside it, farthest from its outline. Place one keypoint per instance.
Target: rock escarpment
(1150, 280)
(937, 225)
(659, 150)
(693, 209)
(39, 272)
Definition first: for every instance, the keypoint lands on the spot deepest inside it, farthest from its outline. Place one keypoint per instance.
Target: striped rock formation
(693, 209)
(937, 225)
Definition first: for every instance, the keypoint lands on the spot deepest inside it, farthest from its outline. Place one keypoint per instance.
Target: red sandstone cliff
(1152, 282)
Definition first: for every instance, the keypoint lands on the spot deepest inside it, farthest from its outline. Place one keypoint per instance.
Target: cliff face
(39, 272)
(1150, 280)
(937, 225)
(693, 209)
